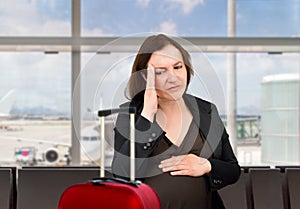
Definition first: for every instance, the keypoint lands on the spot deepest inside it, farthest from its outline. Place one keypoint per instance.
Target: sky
(43, 81)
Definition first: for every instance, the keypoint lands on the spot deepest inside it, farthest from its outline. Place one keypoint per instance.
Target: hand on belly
(189, 165)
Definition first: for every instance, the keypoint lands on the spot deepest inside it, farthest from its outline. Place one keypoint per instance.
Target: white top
(281, 78)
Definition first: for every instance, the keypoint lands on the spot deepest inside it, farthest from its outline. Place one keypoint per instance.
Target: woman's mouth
(173, 88)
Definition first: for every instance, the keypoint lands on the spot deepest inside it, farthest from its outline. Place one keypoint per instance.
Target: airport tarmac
(39, 132)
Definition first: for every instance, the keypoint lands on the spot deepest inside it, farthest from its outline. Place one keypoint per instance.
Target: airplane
(90, 143)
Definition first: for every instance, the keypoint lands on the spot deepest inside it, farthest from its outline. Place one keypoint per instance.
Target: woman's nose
(171, 76)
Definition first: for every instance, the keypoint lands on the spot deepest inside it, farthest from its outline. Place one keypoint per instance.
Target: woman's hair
(137, 83)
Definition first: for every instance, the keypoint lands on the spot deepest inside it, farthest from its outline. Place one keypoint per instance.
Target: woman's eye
(178, 67)
(159, 72)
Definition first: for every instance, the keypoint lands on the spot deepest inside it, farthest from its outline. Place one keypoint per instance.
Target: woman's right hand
(150, 97)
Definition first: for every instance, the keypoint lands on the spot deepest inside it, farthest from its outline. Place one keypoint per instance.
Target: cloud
(94, 32)
(26, 19)
(264, 64)
(143, 3)
(186, 5)
(47, 74)
(49, 3)
(168, 27)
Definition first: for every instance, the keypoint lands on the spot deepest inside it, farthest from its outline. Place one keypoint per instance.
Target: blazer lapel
(202, 115)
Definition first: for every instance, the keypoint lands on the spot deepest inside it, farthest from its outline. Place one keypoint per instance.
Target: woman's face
(170, 73)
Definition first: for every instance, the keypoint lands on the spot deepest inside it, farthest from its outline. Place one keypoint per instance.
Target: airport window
(35, 18)
(268, 18)
(183, 18)
(103, 80)
(209, 82)
(268, 90)
(35, 106)
(267, 103)
(36, 84)
(253, 18)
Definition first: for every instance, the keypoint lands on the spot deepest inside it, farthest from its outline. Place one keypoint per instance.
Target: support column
(231, 80)
(299, 117)
(76, 119)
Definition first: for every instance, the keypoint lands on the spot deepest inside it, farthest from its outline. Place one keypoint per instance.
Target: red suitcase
(111, 193)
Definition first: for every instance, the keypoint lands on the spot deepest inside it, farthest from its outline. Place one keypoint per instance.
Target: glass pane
(268, 18)
(267, 116)
(35, 18)
(35, 107)
(126, 17)
(267, 112)
(104, 79)
(190, 18)
(280, 150)
(268, 87)
(103, 82)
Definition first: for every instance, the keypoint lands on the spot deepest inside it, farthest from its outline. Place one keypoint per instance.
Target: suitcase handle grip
(98, 181)
(104, 113)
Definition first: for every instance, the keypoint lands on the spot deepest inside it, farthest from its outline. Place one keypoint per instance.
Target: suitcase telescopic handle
(102, 114)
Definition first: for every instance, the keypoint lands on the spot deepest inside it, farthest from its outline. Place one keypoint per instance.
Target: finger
(167, 163)
(144, 75)
(175, 168)
(173, 160)
(150, 78)
(180, 173)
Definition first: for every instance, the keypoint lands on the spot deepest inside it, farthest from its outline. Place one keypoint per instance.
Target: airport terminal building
(63, 61)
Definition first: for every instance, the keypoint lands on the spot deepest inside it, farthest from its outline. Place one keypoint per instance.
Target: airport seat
(235, 196)
(266, 187)
(247, 168)
(6, 183)
(293, 184)
(42, 187)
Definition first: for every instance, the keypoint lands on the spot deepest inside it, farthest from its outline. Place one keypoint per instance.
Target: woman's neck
(174, 118)
(171, 106)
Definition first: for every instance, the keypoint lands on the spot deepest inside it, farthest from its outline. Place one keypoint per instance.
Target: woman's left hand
(189, 165)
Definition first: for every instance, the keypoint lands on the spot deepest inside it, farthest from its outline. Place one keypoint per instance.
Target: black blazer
(217, 148)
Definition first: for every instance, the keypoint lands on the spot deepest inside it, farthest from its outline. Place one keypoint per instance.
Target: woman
(182, 148)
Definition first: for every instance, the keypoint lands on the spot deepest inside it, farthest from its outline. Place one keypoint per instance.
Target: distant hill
(41, 110)
(38, 110)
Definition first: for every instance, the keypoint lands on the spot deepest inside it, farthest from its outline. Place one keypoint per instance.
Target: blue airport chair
(293, 184)
(235, 196)
(42, 187)
(6, 183)
(266, 185)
